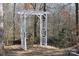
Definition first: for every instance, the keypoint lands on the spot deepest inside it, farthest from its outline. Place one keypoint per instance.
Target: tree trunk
(4, 20)
(35, 23)
(14, 22)
(44, 7)
(76, 11)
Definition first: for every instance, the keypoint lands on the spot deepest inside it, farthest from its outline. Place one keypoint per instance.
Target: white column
(25, 42)
(21, 30)
(43, 30)
(46, 29)
(40, 30)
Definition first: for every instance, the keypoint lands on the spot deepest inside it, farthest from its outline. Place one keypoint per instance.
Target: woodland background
(62, 22)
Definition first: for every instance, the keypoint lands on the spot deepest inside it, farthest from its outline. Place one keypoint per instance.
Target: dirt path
(37, 50)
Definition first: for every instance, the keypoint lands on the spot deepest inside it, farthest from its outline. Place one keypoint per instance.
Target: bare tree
(8, 24)
(14, 21)
(76, 12)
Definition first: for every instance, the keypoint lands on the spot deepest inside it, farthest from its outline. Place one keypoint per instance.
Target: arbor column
(40, 30)
(46, 30)
(43, 30)
(23, 31)
(25, 41)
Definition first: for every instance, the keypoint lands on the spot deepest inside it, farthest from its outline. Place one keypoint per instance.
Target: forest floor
(37, 50)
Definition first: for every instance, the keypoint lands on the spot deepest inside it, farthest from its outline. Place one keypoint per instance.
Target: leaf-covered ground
(37, 50)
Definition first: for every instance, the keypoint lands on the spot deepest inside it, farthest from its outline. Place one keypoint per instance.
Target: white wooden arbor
(43, 26)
